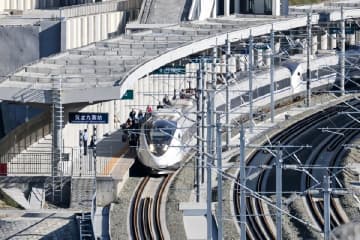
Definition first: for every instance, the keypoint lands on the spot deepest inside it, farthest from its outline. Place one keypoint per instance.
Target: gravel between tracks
(351, 206)
(119, 211)
(179, 191)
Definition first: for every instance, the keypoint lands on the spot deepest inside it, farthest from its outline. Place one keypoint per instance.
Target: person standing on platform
(85, 140)
(132, 115)
(148, 112)
(166, 101)
(140, 117)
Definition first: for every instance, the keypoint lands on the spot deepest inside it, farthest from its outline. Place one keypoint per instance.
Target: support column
(219, 176)
(94, 157)
(226, 7)
(342, 55)
(327, 192)
(203, 85)
(308, 72)
(324, 41)
(251, 73)
(333, 41)
(242, 185)
(214, 11)
(272, 76)
(279, 162)
(198, 141)
(210, 142)
(228, 100)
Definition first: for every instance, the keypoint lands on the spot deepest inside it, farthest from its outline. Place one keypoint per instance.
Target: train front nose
(158, 149)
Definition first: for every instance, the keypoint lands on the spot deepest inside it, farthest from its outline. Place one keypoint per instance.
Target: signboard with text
(88, 118)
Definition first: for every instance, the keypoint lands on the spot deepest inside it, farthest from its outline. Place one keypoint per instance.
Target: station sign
(88, 118)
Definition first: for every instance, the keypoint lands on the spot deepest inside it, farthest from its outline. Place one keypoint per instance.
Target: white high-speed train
(164, 139)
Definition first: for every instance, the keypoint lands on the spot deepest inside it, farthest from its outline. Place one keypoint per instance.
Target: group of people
(133, 124)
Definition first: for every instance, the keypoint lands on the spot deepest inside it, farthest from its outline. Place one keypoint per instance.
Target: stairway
(81, 193)
(38, 154)
(166, 11)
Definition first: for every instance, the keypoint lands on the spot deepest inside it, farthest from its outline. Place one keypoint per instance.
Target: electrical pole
(272, 77)
(251, 66)
(81, 154)
(279, 162)
(203, 85)
(242, 185)
(198, 141)
(228, 102)
(210, 142)
(342, 54)
(327, 192)
(94, 156)
(219, 178)
(308, 72)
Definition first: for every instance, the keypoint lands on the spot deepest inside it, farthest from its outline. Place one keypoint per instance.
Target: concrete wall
(38, 4)
(80, 31)
(16, 41)
(20, 45)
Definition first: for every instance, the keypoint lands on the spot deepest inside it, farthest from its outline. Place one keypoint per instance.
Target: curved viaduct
(104, 70)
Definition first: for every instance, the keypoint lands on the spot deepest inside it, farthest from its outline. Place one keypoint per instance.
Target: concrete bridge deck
(112, 66)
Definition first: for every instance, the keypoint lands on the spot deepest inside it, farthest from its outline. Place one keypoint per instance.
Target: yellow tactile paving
(111, 164)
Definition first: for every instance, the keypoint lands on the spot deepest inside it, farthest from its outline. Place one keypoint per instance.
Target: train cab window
(160, 131)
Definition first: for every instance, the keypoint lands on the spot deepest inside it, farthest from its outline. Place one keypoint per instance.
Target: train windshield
(160, 131)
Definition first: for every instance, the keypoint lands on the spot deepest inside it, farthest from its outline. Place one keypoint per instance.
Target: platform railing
(74, 163)
(26, 164)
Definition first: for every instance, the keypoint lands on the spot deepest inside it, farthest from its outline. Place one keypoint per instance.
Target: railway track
(316, 205)
(145, 219)
(259, 226)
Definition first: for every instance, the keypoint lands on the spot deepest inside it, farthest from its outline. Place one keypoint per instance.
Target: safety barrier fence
(74, 163)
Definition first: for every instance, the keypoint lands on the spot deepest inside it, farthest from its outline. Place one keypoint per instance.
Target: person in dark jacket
(132, 114)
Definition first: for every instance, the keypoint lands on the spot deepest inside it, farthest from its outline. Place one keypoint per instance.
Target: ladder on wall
(57, 174)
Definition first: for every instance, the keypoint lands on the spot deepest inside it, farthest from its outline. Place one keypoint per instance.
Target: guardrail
(26, 164)
(74, 163)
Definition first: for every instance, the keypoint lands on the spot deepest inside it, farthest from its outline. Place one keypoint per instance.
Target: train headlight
(165, 147)
(151, 148)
